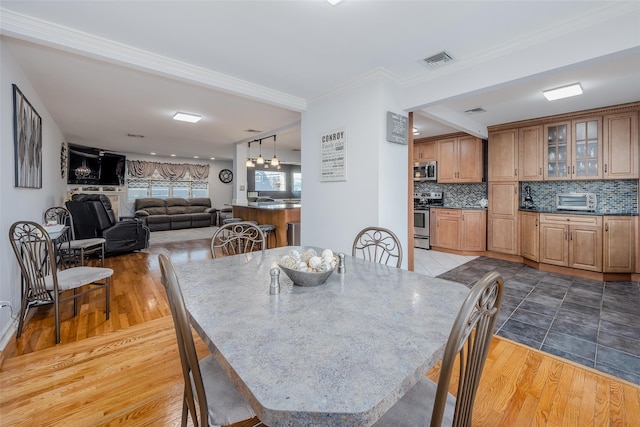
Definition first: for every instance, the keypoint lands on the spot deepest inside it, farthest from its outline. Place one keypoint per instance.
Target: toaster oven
(576, 201)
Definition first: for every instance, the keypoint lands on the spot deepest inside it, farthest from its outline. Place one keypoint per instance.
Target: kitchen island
(276, 213)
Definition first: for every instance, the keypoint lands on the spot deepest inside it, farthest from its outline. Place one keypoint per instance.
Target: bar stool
(268, 230)
(230, 220)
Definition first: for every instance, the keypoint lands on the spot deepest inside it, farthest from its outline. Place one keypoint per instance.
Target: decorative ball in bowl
(308, 266)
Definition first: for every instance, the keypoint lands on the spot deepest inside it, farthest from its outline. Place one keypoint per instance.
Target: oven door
(421, 228)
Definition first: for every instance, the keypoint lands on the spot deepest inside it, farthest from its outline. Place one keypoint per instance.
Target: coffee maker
(528, 199)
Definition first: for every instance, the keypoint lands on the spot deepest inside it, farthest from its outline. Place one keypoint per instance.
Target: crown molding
(56, 36)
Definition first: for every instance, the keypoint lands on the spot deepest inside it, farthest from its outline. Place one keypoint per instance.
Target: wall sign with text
(333, 165)
(397, 128)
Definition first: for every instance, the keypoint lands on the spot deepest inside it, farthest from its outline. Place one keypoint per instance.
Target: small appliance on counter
(576, 202)
(528, 199)
(421, 204)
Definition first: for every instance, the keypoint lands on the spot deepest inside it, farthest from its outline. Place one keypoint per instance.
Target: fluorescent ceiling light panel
(186, 117)
(563, 92)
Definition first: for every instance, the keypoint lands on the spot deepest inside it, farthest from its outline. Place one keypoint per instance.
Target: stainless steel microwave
(576, 201)
(425, 171)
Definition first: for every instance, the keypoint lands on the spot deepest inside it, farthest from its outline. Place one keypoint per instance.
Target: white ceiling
(108, 69)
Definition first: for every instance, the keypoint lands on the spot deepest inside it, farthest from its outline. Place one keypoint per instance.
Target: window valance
(144, 169)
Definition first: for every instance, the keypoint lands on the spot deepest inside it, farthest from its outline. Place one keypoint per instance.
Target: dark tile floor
(596, 324)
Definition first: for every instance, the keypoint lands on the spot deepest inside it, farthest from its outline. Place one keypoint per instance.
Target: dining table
(337, 354)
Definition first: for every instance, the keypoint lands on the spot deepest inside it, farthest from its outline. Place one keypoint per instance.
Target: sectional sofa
(175, 213)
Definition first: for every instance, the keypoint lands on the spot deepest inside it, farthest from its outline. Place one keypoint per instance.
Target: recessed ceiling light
(196, 157)
(333, 2)
(153, 154)
(415, 131)
(186, 117)
(173, 155)
(563, 92)
(212, 158)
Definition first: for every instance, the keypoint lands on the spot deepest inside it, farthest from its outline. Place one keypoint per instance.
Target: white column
(240, 154)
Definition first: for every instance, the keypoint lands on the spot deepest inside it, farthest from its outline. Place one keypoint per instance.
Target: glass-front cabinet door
(587, 142)
(557, 153)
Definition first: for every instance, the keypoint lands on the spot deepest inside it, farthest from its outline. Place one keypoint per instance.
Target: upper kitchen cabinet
(587, 148)
(460, 159)
(620, 153)
(424, 151)
(530, 153)
(557, 151)
(503, 155)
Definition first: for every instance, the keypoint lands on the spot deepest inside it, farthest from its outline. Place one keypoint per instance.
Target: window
(297, 182)
(163, 188)
(270, 181)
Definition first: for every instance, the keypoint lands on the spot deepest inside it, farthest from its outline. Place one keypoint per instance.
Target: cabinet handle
(570, 235)
(605, 168)
(606, 227)
(573, 169)
(515, 171)
(565, 235)
(536, 222)
(540, 171)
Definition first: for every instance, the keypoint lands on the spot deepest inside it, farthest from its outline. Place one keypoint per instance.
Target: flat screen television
(93, 166)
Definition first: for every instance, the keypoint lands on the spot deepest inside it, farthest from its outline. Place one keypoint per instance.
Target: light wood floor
(126, 371)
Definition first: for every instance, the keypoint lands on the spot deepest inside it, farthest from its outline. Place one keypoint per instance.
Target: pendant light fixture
(83, 171)
(249, 162)
(274, 161)
(260, 159)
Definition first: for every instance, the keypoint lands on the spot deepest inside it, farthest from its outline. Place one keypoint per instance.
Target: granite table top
(338, 354)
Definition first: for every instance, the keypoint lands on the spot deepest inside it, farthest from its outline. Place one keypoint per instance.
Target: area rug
(170, 236)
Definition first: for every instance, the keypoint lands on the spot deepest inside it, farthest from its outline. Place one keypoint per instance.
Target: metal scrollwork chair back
(77, 249)
(467, 349)
(43, 282)
(379, 245)
(237, 238)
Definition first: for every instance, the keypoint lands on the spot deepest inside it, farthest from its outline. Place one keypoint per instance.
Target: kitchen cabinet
(587, 148)
(530, 153)
(460, 159)
(619, 244)
(557, 151)
(502, 222)
(447, 228)
(530, 235)
(459, 229)
(473, 230)
(503, 155)
(571, 241)
(424, 151)
(620, 140)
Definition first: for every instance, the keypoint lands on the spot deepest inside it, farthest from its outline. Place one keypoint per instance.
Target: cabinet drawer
(449, 213)
(571, 219)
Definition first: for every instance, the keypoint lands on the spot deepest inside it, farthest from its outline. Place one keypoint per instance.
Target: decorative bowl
(305, 278)
(308, 266)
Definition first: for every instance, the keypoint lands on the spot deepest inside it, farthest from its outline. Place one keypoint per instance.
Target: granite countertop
(269, 205)
(464, 207)
(566, 212)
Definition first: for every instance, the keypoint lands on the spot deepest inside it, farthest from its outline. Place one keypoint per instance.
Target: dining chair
(209, 395)
(377, 244)
(76, 248)
(237, 238)
(428, 403)
(43, 283)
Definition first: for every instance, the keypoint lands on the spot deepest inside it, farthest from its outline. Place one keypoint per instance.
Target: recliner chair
(93, 217)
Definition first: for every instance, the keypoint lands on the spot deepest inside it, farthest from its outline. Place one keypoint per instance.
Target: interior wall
(374, 193)
(21, 203)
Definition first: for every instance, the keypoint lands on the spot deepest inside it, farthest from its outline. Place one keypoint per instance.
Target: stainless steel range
(421, 204)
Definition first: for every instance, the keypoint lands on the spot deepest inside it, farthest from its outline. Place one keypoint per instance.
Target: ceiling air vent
(476, 110)
(438, 60)
(252, 131)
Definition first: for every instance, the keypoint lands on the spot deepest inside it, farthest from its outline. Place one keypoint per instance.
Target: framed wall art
(27, 136)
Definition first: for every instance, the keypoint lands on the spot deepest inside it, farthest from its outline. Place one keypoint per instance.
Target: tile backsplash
(614, 197)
